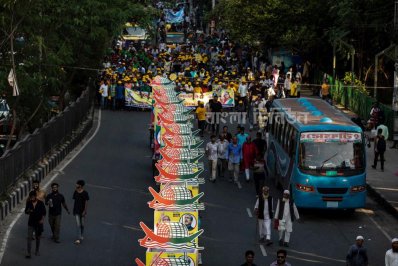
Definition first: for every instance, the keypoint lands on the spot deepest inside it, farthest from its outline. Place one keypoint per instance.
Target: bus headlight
(305, 188)
(358, 188)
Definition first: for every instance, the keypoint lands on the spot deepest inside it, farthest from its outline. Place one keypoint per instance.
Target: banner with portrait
(225, 96)
(188, 219)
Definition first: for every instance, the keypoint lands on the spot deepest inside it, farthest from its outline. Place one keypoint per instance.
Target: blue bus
(317, 153)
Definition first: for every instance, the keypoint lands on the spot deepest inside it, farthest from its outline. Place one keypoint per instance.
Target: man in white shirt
(391, 257)
(211, 152)
(222, 150)
(287, 84)
(242, 90)
(286, 212)
(104, 94)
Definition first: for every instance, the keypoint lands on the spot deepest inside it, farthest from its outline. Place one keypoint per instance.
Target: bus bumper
(349, 200)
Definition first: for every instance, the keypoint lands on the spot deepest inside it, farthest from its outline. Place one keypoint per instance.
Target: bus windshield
(340, 151)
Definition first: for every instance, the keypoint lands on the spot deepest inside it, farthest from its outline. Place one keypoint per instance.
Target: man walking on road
(249, 152)
(264, 211)
(216, 108)
(380, 148)
(222, 150)
(285, 214)
(55, 201)
(37, 211)
(80, 196)
(391, 257)
(211, 152)
(260, 143)
(234, 157)
(259, 173)
(201, 116)
(357, 254)
(281, 259)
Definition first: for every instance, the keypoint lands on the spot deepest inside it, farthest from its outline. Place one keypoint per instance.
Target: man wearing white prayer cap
(357, 255)
(286, 212)
(391, 257)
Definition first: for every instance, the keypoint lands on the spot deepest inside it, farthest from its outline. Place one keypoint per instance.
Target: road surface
(116, 165)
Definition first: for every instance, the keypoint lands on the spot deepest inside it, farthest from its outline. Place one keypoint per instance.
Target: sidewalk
(383, 186)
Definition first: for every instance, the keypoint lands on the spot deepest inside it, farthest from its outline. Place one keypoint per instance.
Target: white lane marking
(379, 227)
(69, 160)
(297, 258)
(239, 185)
(393, 201)
(132, 228)
(249, 213)
(97, 186)
(385, 188)
(315, 255)
(7, 234)
(263, 250)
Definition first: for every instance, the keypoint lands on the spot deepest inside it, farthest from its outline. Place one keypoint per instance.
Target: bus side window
(287, 138)
(280, 134)
(292, 148)
(273, 123)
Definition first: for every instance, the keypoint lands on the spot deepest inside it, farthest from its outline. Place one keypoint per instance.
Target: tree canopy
(57, 45)
(311, 26)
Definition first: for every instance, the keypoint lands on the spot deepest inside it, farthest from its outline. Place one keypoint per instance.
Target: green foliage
(61, 40)
(358, 85)
(311, 27)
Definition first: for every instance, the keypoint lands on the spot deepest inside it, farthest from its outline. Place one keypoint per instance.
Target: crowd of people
(204, 63)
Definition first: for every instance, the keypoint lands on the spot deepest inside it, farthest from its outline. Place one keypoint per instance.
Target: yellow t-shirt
(293, 89)
(201, 113)
(325, 89)
(197, 89)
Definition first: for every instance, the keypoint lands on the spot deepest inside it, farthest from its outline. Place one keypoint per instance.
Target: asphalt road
(116, 165)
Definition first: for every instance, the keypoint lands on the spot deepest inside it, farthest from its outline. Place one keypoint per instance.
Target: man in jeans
(234, 156)
(222, 150)
(80, 196)
(55, 201)
(37, 211)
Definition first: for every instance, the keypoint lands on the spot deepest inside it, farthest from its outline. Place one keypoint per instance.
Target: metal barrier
(28, 151)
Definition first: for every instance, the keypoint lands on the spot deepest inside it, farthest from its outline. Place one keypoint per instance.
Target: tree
(57, 45)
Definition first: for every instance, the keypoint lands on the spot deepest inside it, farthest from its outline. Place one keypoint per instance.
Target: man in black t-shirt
(55, 201)
(260, 143)
(216, 108)
(80, 196)
(37, 211)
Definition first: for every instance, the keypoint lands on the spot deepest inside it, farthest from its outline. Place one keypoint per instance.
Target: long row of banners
(139, 99)
(174, 238)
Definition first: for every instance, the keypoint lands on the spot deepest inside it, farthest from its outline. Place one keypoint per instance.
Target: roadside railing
(34, 147)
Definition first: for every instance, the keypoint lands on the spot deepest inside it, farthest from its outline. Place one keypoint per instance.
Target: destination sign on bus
(330, 137)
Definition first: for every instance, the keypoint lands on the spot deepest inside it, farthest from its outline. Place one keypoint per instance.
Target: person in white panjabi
(264, 210)
(285, 214)
(391, 257)
(211, 152)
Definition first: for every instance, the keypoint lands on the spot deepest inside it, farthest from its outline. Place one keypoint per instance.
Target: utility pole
(395, 92)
